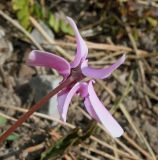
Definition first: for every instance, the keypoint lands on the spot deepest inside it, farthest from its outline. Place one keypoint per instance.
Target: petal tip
(63, 118)
(123, 58)
(82, 49)
(118, 133)
(71, 21)
(31, 57)
(68, 18)
(91, 81)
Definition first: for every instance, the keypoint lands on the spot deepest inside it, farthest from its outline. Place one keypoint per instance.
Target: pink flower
(79, 68)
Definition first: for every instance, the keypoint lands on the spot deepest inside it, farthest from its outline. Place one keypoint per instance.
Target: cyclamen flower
(79, 68)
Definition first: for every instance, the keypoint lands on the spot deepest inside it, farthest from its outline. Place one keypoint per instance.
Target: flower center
(76, 74)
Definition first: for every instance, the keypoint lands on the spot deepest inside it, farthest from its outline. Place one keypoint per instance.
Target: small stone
(42, 85)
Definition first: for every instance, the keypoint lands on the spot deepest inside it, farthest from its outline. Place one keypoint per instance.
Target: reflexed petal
(90, 109)
(101, 73)
(82, 49)
(103, 114)
(61, 100)
(46, 59)
(83, 90)
(64, 99)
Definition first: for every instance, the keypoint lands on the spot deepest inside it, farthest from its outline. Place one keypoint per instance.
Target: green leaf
(22, 9)
(13, 137)
(19, 4)
(75, 137)
(3, 120)
(153, 22)
(37, 10)
(51, 20)
(54, 23)
(59, 25)
(135, 34)
(61, 145)
(66, 28)
(23, 16)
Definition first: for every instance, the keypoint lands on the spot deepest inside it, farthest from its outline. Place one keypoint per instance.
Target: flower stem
(24, 117)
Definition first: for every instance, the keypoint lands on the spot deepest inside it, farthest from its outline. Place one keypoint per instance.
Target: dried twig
(41, 115)
(50, 40)
(120, 152)
(33, 148)
(136, 51)
(13, 119)
(18, 26)
(86, 155)
(101, 153)
(127, 115)
(118, 142)
(68, 125)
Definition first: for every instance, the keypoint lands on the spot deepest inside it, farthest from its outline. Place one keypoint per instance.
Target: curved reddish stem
(24, 117)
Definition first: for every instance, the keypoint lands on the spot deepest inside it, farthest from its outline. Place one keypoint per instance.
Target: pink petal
(83, 90)
(101, 73)
(46, 59)
(64, 99)
(61, 100)
(103, 114)
(82, 49)
(90, 109)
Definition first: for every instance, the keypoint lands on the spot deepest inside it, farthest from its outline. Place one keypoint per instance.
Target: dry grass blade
(105, 47)
(133, 57)
(136, 146)
(133, 96)
(107, 89)
(111, 47)
(18, 26)
(101, 153)
(147, 3)
(148, 92)
(137, 131)
(124, 146)
(72, 156)
(72, 126)
(13, 119)
(129, 118)
(142, 138)
(112, 55)
(136, 51)
(128, 139)
(127, 115)
(46, 36)
(86, 155)
(67, 157)
(148, 146)
(33, 148)
(117, 141)
(41, 115)
(125, 94)
(116, 155)
(120, 152)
